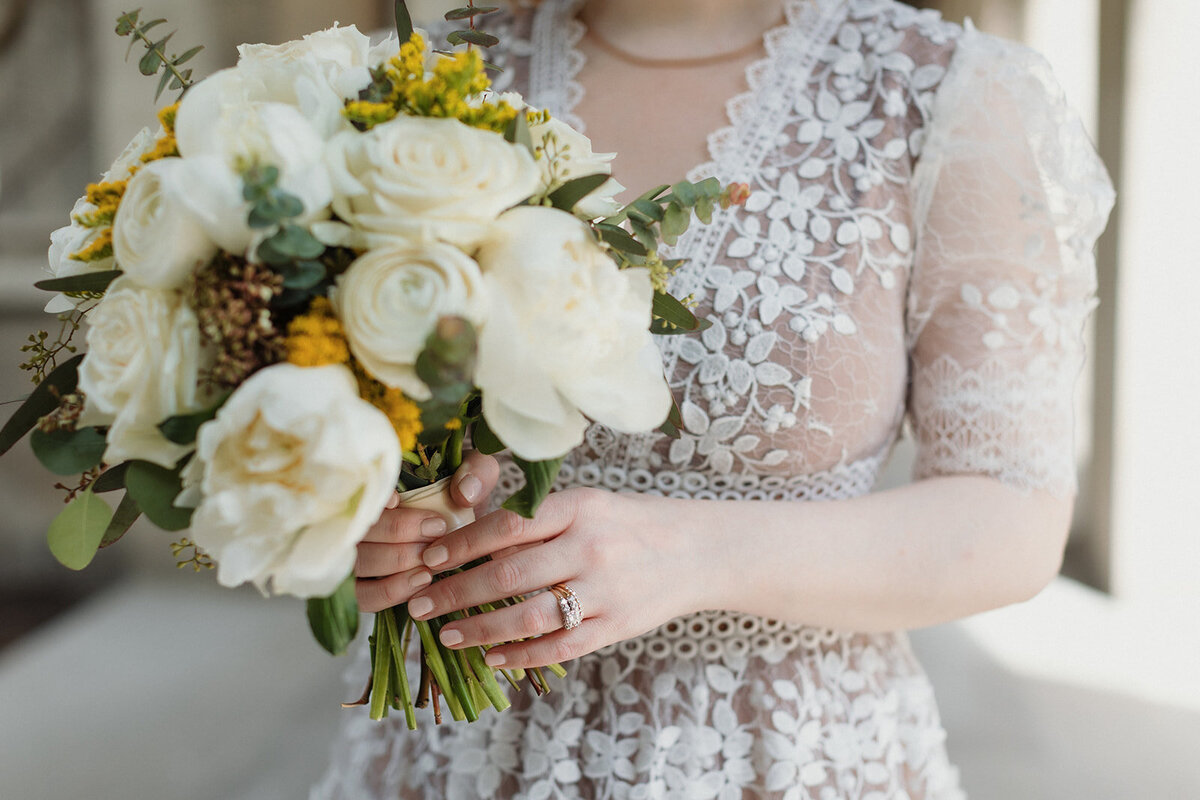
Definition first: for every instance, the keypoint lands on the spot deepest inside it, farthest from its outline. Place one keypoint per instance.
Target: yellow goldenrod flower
(404, 414)
(316, 338)
(100, 248)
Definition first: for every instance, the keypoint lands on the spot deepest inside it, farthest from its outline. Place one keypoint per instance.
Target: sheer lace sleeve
(1009, 199)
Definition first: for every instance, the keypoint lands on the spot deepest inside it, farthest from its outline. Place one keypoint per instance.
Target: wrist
(696, 551)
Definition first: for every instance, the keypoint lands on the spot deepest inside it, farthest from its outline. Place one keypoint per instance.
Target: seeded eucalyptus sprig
(130, 24)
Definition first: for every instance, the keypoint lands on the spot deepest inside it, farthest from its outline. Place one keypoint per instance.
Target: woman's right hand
(389, 566)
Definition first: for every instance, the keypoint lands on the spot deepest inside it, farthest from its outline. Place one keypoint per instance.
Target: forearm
(933, 551)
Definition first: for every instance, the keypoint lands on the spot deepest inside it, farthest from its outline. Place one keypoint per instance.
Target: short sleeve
(1009, 198)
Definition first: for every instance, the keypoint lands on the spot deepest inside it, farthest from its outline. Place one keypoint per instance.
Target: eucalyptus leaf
(334, 619)
(44, 399)
(150, 62)
(112, 479)
(182, 429)
(570, 193)
(620, 239)
(187, 56)
(68, 452)
(668, 308)
(675, 222)
(539, 480)
(518, 133)
(303, 274)
(155, 488)
(404, 24)
(484, 439)
(466, 12)
(126, 514)
(85, 282)
(75, 534)
(673, 424)
(478, 38)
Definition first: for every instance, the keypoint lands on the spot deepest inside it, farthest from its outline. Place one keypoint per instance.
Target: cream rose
(413, 177)
(288, 478)
(142, 366)
(567, 336)
(390, 299)
(565, 154)
(157, 239)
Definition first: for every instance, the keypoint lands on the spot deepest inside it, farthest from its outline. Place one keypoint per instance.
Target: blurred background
(131, 680)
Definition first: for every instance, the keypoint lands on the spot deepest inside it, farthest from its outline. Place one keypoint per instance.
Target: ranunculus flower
(157, 239)
(390, 299)
(416, 177)
(288, 477)
(142, 366)
(70, 239)
(567, 154)
(567, 335)
(228, 121)
(316, 74)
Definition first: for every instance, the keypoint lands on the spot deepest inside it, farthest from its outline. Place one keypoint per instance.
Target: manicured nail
(421, 580)
(394, 500)
(434, 526)
(470, 488)
(451, 637)
(420, 606)
(494, 659)
(436, 555)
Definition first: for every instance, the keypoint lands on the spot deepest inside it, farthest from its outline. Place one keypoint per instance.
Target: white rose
(142, 366)
(565, 154)
(157, 239)
(567, 335)
(288, 477)
(414, 177)
(226, 122)
(390, 299)
(316, 74)
(70, 239)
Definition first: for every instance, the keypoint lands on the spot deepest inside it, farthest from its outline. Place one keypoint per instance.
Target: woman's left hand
(630, 571)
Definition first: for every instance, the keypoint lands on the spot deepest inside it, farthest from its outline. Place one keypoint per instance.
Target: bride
(917, 245)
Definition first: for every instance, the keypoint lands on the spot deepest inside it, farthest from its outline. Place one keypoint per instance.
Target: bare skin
(936, 550)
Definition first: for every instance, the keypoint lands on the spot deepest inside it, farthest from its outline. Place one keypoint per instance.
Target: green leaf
(334, 619)
(68, 452)
(76, 533)
(43, 400)
(472, 37)
(163, 83)
(668, 308)
(127, 22)
(296, 243)
(675, 222)
(685, 192)
(150, 62)
(672, 426)
(466, 12)
(182, 429)
(302, 274)
(620, 239)
(566, 196)
(404, 25)
(154, 489)
(646, 211)
(539, 480)
(112, 479)
(518, 133)
(188, 55)
(484, 439)
(85, 282)
(127, 513)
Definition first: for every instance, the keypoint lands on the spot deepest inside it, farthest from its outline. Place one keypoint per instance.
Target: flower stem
(399, 648)
(382, 668)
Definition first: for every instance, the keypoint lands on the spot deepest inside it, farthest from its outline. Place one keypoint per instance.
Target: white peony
(567, 335)
(288, 478)
(70, 239)
(565, 154)
(157, 239)
(229, 121)
(390, 299)
(415, 177)
(316, 74)
(142, 366)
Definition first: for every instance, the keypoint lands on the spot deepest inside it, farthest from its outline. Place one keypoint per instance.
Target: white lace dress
(918, 243)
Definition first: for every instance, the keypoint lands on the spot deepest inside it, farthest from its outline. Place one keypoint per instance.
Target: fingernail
(421, 580)
(420, 606)
(434, 526)
(494, 659)
(470, 488)
(451, 637)
(394, 501)
(436, 555)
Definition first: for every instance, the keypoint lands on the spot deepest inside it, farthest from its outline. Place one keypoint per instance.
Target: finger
(553, 648)
(491, 582)
(533, 617)
(475, 479)
(406, 525)
(377, 594)
(376, 560)
(494, 532)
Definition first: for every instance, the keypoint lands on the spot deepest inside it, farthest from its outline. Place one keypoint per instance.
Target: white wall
(1156, 490)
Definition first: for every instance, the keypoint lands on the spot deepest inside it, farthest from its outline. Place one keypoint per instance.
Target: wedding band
(569, 605)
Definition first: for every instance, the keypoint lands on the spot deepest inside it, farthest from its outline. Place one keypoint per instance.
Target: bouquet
(323, 271)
